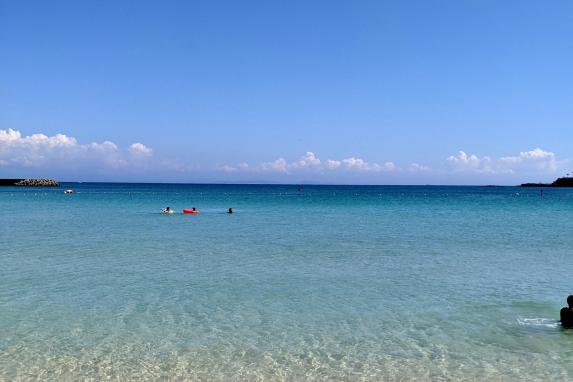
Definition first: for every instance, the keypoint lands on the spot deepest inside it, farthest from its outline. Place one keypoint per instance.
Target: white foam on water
(539, 322)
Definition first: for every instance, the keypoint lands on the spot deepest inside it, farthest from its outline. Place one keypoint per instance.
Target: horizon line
(292, 184)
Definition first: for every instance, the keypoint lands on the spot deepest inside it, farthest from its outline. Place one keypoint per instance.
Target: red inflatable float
(190, 211)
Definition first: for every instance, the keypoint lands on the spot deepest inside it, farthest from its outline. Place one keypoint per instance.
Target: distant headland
(561, 182)
(29, 182)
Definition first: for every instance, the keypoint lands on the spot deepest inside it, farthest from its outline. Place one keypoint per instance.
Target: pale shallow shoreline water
(327, 283)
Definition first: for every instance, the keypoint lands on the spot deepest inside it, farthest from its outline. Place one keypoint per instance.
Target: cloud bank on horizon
(533, 161)
(311, 162)
(62, 155)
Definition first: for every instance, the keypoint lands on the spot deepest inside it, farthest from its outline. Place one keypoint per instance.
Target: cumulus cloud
(464, 162)
(390, 166)
(360, 165)
(279, 165)
(139, 149)
(311, 162)
(228, 168)
(333, 164)
(61, 151)
(308, 160)
(536, 160)
(9, 135)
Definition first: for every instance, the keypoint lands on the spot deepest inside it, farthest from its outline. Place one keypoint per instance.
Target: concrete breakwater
(29, 182)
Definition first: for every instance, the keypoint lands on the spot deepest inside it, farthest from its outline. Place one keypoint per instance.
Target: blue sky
(376, 91)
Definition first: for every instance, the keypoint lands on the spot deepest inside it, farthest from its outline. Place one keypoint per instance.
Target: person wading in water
(567, 313)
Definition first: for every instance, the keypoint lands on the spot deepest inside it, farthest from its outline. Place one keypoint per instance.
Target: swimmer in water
(230, 211)
(567, 313)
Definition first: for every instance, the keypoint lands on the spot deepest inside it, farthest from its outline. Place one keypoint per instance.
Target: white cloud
(279, 165)
(469, 163)
(63, 154)
(228, 168)
(360, 165)
(534, 161)
(308, 161)
(333, 164)
(390, 166)
(416, 167)
(9, 135)
(463, 161)
(311, 162)
(139, 149)
(61, 151)
(537, 158)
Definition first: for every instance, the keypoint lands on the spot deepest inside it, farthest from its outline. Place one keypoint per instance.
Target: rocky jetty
(38, 183)
(29, 182)
(561, 182)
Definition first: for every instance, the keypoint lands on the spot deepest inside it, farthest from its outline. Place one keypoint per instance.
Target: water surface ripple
(337, 283)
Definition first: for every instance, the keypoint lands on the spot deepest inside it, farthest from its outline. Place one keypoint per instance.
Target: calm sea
(337, 283)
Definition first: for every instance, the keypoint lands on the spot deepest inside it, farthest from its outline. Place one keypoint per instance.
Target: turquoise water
(321, 283)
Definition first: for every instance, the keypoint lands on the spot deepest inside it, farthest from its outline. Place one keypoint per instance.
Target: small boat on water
(69, 191)
(192, 211)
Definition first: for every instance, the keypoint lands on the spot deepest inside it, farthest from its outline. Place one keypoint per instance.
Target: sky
(334, 92)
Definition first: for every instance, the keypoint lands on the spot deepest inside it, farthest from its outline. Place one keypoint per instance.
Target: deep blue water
(317, 283)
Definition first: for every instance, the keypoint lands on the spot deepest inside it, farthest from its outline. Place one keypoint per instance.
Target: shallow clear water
(322, 283)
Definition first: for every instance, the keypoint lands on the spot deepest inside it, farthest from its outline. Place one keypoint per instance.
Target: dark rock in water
(561, 182)
(29, 182)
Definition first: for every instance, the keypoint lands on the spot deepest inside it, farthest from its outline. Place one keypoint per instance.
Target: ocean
(301, 283)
